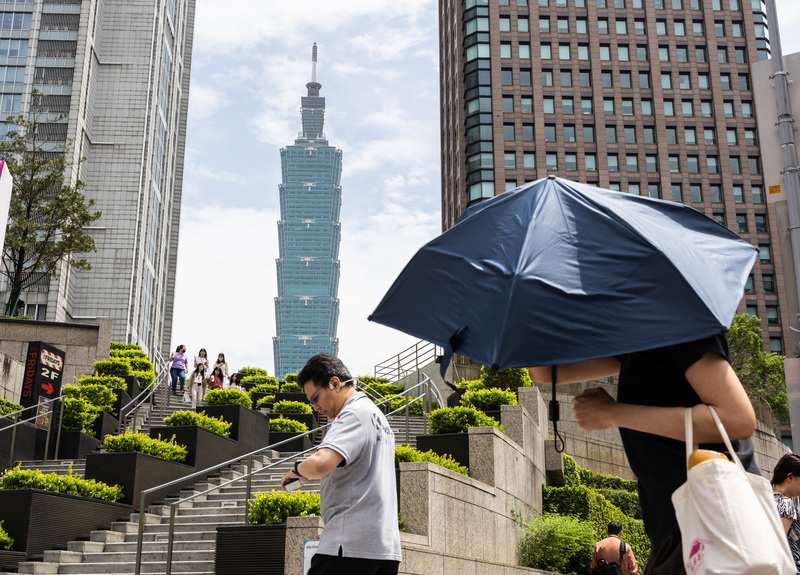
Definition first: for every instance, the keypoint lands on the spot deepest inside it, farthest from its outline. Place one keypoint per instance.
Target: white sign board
(309, 550)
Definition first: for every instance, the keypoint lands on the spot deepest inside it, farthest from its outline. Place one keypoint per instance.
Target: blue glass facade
(307, 307)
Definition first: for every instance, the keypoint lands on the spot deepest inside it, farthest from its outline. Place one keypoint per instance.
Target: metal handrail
(160, 381)
(250, 472)
(407, 361)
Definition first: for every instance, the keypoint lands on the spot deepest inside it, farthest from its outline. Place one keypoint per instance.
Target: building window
(719, 218)
(551, 161)
(544, 24)
(752, 310)
(566, 78)
(684, 82)
(703, 82)
(525, 51)
(674, 164)
(663, 54)
(585, 78)
(747, 109)
(611, 134)
(709, 136)
(649, 134)
(529, 161)
(547, 77)
(735, 165)
(613, 163)
(625, 79)
(669, 108)
(738, 194)
(527, 132)
(772, 315)
(693, 164)
(682, 54)
(508, 132)
(696, 192)
(725, 80)
(546, 52)
(508, 104)
(563, 52)
(641, 53)
(776, 345)
(715, 193)
(602, 25)
(627, 107)
(567, 106)
(605, 53)
(622, 26)
(741, 223)
(753, 165)
(731, 134)
(623, 54)
(672, 135)
(632, 163)
(687, 108)
(722, 54)
(583, 51)
(764, 253)
(666, 81)
(651, 163)
(750, 137)
(769, 283)
(749, 285)
(654, 191)
(505, 50)
(523, 25)
(569, 133)
(690, 136)
(761, 223)
(677, 195)
(510, 161)
(510, 185)
(712, 164)
(571, 162)
(586, 106)
(758, 194)
(700, 55)
(481, 190)
(590, 161)
(647, 107)
(526, 105)
(630, 134)
(581, 26)
(506, 77)
(563, 25)
(549, 132)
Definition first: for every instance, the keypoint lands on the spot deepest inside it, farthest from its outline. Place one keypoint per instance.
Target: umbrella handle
(554, 412)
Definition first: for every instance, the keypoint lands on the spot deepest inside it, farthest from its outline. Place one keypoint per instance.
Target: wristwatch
(296, 472)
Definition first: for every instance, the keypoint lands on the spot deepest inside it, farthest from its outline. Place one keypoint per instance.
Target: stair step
(150, 567)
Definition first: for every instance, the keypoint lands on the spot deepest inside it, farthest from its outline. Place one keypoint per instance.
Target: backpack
(613, 568)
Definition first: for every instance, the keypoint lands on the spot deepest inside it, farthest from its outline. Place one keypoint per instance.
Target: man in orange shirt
(613, 550)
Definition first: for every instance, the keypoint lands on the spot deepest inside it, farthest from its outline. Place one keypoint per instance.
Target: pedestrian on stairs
(198, 384)
(177, 371)
(612, 556)
(355, 463)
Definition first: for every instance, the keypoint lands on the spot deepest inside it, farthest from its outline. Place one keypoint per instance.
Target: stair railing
(159, 388)
(51, 420)
(407, 361)
(430, 389)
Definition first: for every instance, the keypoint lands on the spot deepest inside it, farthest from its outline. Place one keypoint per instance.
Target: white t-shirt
(359, 498)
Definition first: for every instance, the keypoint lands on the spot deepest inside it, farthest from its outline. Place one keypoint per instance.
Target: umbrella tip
(369, 317)
(551, 177)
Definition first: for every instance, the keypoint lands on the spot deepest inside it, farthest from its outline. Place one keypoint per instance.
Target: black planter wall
(250, 550)
(455, 444)
(72, 445)
(297, 443)
(206, 448)
(250, 428)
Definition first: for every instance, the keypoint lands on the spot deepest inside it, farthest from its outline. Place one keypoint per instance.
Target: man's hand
(594, 409)
(289, 476)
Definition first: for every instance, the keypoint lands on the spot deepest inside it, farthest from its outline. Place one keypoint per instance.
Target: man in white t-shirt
(355, 463)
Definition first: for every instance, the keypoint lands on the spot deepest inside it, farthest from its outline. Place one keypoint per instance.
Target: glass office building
(307, 309)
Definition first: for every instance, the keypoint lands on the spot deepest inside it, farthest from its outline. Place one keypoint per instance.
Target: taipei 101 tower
(307, 307)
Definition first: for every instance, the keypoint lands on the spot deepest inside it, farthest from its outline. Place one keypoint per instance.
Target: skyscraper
(650, 97)
(119, 72)
(307, 307)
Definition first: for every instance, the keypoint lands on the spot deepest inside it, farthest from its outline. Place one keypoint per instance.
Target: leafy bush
(627, 502)
(265, 399)
(365, 380)
(459, 419)
(79, 415)
(264, 388)
(146, 378)
(215, 424)
(291, 407)
(379, 385)
(415, 408)
(128, 353)
(228, 397)
(407, 453)
(97, 394)
(274, 507)
(261, 380)
(140, 364)
(253, 371)
(290, 378)
(111, 381)
(115, 367)
(71, 484)
(511, 378)
(470, 385)
(117, 346)
(571, 471)
(138, 442)
(283, 425)
(7, 406)
(488, 399)
(601, 481)
(556, 543)
(291, 387)
(6, 541)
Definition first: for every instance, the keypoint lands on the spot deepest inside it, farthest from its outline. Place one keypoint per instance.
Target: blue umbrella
(556, 272)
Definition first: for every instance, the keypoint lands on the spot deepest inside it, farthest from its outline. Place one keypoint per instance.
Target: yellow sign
(775, 189)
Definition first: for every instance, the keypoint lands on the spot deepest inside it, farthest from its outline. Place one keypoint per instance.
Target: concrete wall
(82, 344)
(11, 374)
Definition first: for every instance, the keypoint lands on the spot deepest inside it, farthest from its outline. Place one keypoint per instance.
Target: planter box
(454, 399)
(133, 384)
(281, 396)
(494, 414)
(135, 472)
(250, 428)
(123, 399)
(258, 395)
(206, 448)
(455, 444)
(39, 520)
(250, 550)
(25, 442)
(105, 424)
(10, 559)
(299, 443)
(307, 418)
(73, 445)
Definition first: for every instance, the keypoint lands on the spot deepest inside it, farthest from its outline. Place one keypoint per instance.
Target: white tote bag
(728, 519)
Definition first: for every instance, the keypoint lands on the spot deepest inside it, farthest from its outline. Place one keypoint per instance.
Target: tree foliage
(761, 374)
(47, 216)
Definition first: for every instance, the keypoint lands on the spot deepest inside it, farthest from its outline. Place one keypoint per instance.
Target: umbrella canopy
(556, 272)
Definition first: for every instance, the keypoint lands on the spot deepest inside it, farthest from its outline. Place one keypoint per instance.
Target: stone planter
(250, 550)
(105, 424)
(123, 399)
(258, 395)
(494, 414)
(135, 472)
(455, 444)
(206, 448)
(301, 397)
(27, 438)
(39, 520)
(250, 428)
(299, 443)
(72, 445)
(308, 418)
(454, 399)
(133, 384)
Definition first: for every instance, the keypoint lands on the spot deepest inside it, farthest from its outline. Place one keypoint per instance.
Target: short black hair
(614, 528)
(320, 368)
(789, 464)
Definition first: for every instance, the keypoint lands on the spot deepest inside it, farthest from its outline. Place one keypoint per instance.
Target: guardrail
(161, 383)
(407, 361)
(425, 397)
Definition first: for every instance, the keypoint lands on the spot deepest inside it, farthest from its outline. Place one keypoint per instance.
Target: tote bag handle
(688, 426)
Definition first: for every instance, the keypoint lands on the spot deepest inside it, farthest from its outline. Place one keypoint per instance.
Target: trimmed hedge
(79, 415)
(111, 381)
(488, 399)
(415, 408)
(228, 397)
(265, 399)
(261, 380)
(115, 367)
(6, 541)
(97, 394)
(601, 481)
(556, 543)
(7, 406)
(128, 353)
(291, 387)
(274, 507)
(292, 407)
(458, 420)
(571, 476)
(117, 346)
(511, 378)
(284, 425)
(407, 453)
(471, 384)
(215, 424)
(263, 388)
(290, 378)
(138, 442)
(70, 484)
(252, 371)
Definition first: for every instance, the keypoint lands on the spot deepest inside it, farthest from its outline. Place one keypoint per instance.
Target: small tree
(46, 216)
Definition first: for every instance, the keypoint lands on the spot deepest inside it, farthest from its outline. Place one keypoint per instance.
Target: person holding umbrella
(655, 387)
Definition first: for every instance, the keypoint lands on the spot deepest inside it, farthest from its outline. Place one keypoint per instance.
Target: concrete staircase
(416, 426)
(113, 550)
(58, 466)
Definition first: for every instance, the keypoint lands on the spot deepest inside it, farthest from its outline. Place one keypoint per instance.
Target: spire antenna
(314, 63)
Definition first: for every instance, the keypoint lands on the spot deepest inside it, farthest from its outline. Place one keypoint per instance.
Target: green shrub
(407, 453)
(365, 380)
(127, 353)
(626, 501)
(290, 378)
(228, 397)
(111, 381)
(6, 541)
(7, 406)
(291, 387)
(570, 471)
(264, 388)
(292, 407)
(511, 378)
(117, 346)
(79, 415)
(265, 399)
(215, 424)
(556, 543)
(146, 378)
(97, 394)
(458, 420)
(140, 364)
(488, 399)
(261, 380)
(253, 371)
(601, 481)
(283, 425)
(470, 385)
(415, 408)
(71, 484)
(138, 442)
(274, 507)
(115, 367)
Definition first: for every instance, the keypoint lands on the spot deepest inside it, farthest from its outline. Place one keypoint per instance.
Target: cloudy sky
(378, 66)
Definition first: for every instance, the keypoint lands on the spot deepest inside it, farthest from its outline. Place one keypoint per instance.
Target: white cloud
(205, 101)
